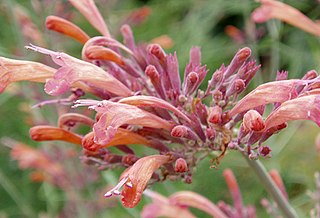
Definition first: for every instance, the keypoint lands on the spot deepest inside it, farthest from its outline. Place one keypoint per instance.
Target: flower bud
(181, 131)
(264, 151)
(157, 51)
(252, 120)
(215, 115)
(211, 133)
(236, 87)
(190, 83)
(181, 165)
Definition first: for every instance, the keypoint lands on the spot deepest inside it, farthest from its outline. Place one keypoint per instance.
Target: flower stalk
(271, 187)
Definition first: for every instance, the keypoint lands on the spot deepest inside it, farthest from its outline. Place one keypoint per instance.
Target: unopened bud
(252, 120)
(190, 83)
(215, 115)
(181, 131)
(181, 165)
(188, 179)
(211, 133)
(310, 75)
(236, 87)
(157, 51)
(264, 151)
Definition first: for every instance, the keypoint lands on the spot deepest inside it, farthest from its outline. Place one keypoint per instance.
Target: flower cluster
(140, 99)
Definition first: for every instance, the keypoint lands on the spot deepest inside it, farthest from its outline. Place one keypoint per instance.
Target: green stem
(271, 188)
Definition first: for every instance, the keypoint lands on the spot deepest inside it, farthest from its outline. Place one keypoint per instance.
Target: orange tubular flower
(281, 11)
(122, 137)
(16, 70)
(135, 179)
(49, 133)
(96, 52)
(67, 28)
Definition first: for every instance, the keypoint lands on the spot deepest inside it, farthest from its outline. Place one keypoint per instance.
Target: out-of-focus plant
(139, 98)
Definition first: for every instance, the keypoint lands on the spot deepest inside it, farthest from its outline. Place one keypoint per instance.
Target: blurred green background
(275, 45)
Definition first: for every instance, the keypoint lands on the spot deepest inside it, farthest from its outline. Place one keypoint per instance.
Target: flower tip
(244, 53)
(107, 195)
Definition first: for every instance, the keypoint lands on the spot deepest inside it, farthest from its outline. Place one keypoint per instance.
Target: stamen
(108, 194)
(116, 189)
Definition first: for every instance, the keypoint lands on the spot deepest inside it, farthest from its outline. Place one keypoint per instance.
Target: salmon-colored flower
(89, 9)
(270, 9)
(162, 207)
(48, 133)
(16, 70)
(141, 101)
(135, 179)
(122, 137)
(74, 70)
(29, 157)
(115, 115)
(65, 27)
(177, 205)
(303, 108)
(272, 92)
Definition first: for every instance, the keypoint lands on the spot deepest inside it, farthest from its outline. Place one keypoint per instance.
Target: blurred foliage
(189, 23)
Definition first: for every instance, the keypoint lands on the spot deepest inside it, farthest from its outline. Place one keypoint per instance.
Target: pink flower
(176, 205)
(252, 121)
(303, 108)
(272, 92)
(74, 71)
(114, 115)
